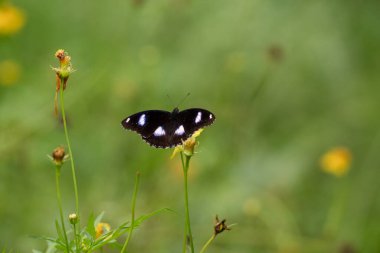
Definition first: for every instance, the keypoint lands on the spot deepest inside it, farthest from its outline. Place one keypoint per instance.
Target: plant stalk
(57, 179)
(137, 180)
(188, 235)
(208, 243)
(71, 156)
(70, 151)
(76, 238)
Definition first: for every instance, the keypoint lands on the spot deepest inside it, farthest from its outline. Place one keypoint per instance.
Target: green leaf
(98, 219)
(46, 238)
(91, 226)
(53, 246)
(50, 240)
(110, 237)
(59, 230)
(142, 218)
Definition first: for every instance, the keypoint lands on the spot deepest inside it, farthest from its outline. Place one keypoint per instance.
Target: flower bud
(60, 54)
(220, 226)
(58, 155)
(65, 68)
(73, 218)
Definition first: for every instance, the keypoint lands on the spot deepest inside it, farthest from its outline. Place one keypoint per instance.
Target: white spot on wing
(210, 116)
(159, 132)
(180, 130)
(142, 120)
(127, 120)
(198, 118)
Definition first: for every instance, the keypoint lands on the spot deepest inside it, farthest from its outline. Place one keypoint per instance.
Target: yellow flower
(101, 229)
(10, 72)
(187, 146)
(336, 161)
(12, 19)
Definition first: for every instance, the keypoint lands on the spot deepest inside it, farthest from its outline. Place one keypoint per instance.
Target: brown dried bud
(60, 54)
(58, 155)
(220, 226)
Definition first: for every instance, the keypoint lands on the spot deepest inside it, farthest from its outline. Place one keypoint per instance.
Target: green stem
(70, 152)
(208, 243)
(137, 180)
(188, 234)
(185, 233)
(76, 238)
(57, 178)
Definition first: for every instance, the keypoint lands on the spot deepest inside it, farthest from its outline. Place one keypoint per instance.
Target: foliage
(89, 242)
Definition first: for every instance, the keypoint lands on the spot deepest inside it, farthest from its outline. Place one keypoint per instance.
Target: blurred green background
(287, 81)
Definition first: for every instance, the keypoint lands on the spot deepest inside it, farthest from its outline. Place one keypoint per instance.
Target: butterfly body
(163, 129)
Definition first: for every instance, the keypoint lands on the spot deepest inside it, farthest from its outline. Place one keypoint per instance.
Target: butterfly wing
(146, 122)
(185, 123)
(194, 119)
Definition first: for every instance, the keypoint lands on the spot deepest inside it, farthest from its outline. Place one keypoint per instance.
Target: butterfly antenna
(170, 99)
(183, 99)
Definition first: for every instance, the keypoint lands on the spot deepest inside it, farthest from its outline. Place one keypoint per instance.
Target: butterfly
(163, 129)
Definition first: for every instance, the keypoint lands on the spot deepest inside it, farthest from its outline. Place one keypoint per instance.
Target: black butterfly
(163, 129)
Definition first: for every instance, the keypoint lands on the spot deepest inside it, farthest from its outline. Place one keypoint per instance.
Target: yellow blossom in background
(10, 72)
(12, 19)
(101, 229)
(336, 161)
